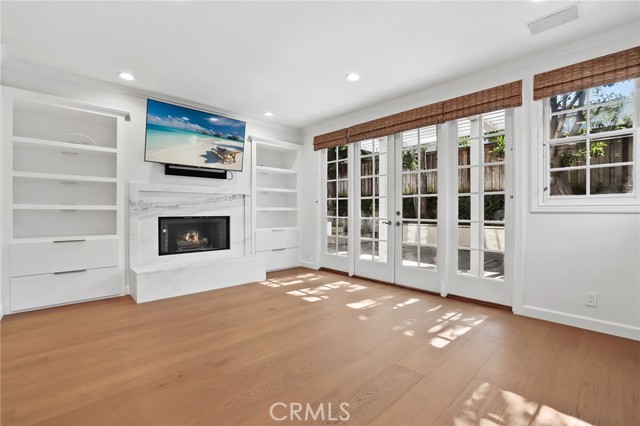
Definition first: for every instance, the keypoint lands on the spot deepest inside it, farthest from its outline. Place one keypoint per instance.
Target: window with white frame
(589, 143)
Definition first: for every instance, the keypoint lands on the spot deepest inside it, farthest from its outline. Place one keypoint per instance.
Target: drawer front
(49, 257)
(281, 258)
(269, 239)
(38, 291)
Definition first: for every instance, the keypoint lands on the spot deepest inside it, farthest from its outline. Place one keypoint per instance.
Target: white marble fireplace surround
(154, 277)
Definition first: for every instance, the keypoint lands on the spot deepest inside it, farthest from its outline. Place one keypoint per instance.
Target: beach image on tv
(179, 135)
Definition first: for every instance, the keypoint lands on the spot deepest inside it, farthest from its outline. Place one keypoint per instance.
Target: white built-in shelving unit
(62, 197)
(275, 200)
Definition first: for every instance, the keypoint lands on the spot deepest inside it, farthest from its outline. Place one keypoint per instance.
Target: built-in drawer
(276, 238)
(281, 258)
(29, 258)
(37, 291)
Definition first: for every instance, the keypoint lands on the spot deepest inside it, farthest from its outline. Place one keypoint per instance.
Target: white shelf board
(276, 209)
(65, 238)
(55, 176)
(62, 146)
(265, 169)
(62, 207)
(283, 190)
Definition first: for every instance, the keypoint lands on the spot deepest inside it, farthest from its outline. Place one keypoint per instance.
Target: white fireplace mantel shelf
(137, 187)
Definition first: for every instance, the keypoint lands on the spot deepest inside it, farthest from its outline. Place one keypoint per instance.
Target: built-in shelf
(275, 188)
(276, 209)
(265, 169)
(62, 207)
(63, 178)
(63, 201)
(62, 146)
(281, 190)
(63, 238)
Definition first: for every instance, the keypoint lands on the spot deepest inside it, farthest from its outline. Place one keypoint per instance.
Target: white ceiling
(288, 57)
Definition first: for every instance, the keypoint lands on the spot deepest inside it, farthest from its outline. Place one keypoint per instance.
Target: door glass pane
(366, 187)
(464, 261)
(342, 227)
(410, 208)
(409, 255)
(429, 233)
(493, 265)
(343, 169)
(494, 207)
(366, 166)
(429, 183)
(331, 245)
(366, 228)
(428, 207)
(428, 257)
(494, 178)
(410, 232)
(366, 208)
(366, 250)
(494, 237)
(410, 184)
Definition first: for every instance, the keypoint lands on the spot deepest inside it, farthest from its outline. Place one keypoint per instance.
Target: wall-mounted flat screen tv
(188, 137)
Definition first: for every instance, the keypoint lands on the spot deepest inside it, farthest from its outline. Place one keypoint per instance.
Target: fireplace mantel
(148, 202)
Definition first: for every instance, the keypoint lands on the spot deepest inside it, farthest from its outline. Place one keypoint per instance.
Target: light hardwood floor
(396, 356)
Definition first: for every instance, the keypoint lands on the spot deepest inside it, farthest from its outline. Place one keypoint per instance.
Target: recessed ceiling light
(126, 76)
(268, 114)
(353, 77)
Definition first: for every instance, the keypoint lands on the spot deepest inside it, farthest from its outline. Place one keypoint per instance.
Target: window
(481, 195)
(589, 143)
(337, 208)
(420, 198)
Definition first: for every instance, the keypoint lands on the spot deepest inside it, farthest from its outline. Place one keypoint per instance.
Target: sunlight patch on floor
(316, 294)
(368, 303)
(491, 406)
(405, 303)
(451, 326)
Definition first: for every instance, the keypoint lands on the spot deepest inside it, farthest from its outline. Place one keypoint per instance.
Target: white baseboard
(309, 265)
(608, 327)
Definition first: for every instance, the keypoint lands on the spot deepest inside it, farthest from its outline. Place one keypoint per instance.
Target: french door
(397, 214)
(427, 208)
(483, 207)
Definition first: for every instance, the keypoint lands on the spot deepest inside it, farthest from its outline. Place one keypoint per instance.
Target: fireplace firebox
(178, 235)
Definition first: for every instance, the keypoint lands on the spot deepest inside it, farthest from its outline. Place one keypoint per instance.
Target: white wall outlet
(592, 299)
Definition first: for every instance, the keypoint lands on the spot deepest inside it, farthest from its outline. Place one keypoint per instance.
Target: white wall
(135, 169)
(559, 256)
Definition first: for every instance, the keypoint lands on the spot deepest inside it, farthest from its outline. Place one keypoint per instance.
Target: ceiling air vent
(555, 19)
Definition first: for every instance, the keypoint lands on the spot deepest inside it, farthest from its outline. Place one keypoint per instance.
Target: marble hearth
(154, 277)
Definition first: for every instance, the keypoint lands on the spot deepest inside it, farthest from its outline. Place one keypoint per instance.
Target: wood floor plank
(398, 356)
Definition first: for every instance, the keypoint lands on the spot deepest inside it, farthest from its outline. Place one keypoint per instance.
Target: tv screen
(188, 137)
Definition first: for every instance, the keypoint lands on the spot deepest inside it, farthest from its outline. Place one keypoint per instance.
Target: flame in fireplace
(192, 237)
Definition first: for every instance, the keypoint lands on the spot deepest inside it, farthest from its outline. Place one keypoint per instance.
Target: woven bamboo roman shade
(407, 120)
(595, 72)
(499, 97)
(330, 140)
(505, 96)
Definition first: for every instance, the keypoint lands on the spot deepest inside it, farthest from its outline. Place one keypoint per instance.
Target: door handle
(387, 222)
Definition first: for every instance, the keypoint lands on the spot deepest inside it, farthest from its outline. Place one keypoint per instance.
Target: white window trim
(605, 203)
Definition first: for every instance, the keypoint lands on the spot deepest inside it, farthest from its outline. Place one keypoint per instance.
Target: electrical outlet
(592, 299)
